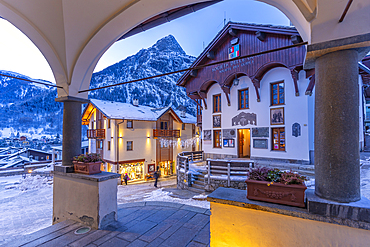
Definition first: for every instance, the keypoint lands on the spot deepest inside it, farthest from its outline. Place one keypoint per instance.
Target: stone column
(337, 156)
(71, 130)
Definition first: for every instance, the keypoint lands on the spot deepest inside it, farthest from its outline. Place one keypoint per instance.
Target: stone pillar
(71, 130)
(337, 157)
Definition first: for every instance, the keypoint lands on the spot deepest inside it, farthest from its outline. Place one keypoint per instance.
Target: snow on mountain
(25, 106)
(166, 55)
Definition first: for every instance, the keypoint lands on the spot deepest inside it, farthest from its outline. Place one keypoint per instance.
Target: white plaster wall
(295, 110)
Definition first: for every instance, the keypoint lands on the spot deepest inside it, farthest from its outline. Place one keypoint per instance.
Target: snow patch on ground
(160, 195)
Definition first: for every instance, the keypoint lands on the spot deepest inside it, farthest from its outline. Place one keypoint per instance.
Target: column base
(89, 199)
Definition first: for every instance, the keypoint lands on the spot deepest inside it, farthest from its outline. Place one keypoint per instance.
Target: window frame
(132, 146)
(216, 103)
(246, 102)
(108, 123)
(217, 143)
(279, 129)
(278, 93)
(108, 145)
(132, 124)
(183, 126)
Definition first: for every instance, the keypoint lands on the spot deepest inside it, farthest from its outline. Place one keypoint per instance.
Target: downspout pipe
(117, 146)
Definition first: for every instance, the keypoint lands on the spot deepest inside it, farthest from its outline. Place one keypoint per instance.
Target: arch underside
(72, 39)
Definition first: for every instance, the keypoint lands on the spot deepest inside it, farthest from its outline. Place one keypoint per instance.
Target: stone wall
(182, 180)
(216, 183)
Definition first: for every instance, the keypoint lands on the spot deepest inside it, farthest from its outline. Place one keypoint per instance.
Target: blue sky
(192, 32)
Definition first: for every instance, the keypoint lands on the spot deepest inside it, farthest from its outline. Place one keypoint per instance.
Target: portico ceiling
(74, 34)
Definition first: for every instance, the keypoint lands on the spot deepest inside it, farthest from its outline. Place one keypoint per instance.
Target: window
(108, 146)
(217, 103)
(164, 125)
(243, 99)
(277, 93)
(217, 139)
(130, 145)
(278, 139)
(99, 144)
(130, 124)
(108, 123)
(183, 126)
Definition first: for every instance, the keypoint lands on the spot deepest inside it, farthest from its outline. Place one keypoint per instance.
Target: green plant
(275, 176)
(87, 158)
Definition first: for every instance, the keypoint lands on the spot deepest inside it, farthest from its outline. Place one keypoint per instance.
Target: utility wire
(22, 79)
(198, 67)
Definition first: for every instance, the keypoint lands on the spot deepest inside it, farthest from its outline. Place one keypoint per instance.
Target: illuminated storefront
(166, 168)
(135, 171)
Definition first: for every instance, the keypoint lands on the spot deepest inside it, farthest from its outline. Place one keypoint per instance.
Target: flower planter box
(292, 195)
(87, 168)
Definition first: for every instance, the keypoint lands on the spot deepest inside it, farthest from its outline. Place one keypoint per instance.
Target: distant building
(135, 139)
(257, 107)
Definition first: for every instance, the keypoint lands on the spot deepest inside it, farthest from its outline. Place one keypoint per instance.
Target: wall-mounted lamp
(236, 81)
(148, 137)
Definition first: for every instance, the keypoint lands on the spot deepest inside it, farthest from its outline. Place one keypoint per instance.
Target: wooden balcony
(166, 133)
(96, 134)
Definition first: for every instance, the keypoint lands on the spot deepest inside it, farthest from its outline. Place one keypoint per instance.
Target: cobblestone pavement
(141, 224)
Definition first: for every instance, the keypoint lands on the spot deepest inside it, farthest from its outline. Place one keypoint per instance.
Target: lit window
(130, 145)
(99, 144)
(277, 93)
(243, 99)
(217, 138)
(278, 139)
(217, 103)
(130, 124)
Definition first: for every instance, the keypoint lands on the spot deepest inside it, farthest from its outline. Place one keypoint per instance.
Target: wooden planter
(292, 195)
(87, 168)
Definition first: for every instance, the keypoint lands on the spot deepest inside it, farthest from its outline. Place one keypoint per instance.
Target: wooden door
(240, 143)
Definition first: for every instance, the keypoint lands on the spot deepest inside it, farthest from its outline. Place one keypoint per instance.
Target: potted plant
(272, 185)
(87, 164)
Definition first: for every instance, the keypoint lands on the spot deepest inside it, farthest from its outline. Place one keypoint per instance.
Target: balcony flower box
(87, 164)
(273, 185)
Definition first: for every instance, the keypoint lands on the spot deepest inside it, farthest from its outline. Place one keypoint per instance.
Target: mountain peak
(168, 43)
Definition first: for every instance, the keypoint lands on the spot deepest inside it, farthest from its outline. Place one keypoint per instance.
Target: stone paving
(139, 224)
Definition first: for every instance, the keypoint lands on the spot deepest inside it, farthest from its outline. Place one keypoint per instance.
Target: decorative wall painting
(277, 116)
(296, 129)
(216, 121)
(207, 135)
(244, 119)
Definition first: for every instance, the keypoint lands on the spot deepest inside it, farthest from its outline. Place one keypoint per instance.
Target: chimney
(135, 102)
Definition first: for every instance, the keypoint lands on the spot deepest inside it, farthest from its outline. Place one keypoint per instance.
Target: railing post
(228, 174)
(192, 157)
(186, 164)
(209, 172)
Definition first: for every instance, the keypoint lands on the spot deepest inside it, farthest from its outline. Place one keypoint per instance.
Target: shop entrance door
(244, 143)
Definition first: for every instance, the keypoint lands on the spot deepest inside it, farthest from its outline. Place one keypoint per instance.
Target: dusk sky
(193, 31)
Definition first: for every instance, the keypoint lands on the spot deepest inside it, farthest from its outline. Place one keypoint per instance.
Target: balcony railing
(166, 133)
(96, 134)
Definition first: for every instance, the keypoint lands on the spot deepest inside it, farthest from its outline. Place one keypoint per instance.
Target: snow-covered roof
(119, 110)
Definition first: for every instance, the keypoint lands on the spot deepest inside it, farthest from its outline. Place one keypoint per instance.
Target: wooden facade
(254, 67)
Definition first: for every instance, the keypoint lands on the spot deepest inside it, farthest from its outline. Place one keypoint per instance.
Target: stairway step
(199, 182)
(200, 191)
(197, 186)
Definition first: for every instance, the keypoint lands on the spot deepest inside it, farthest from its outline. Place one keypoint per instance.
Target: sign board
(260, 132)
(229, 133)
(260, 143)
(207, 135)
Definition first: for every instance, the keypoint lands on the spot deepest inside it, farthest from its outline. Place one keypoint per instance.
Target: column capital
(360, 43)
(72, 99)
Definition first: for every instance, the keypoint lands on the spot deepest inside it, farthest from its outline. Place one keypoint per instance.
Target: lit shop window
(278, 139)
